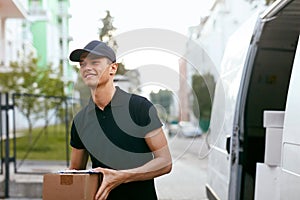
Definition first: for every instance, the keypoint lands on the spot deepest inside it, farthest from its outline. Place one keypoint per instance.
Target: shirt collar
(120, 98)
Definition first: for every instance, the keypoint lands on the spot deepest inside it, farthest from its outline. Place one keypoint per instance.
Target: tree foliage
(106, 32)
(204, 87)
(163, 98)
(122, 69)
(269, 2)
(25, 78)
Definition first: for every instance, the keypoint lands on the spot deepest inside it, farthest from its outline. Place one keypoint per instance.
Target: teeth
(88, 75)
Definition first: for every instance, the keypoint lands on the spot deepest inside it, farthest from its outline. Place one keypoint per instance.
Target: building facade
(12, 13)
(208, 39)
(48, 22)
(39, 27)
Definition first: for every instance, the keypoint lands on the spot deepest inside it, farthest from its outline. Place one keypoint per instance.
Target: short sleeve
(144, 114)
(75, 139)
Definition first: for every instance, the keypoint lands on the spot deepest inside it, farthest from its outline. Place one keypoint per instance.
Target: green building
(48, 23)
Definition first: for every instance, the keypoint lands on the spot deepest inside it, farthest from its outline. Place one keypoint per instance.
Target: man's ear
(113, 68)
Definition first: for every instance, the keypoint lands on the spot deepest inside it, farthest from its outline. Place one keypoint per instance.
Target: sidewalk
(188, 177)
(185, 182)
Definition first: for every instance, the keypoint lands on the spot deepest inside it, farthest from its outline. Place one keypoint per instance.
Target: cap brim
(75, 55)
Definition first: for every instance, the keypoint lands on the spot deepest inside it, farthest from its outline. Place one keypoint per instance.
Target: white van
(260, 72)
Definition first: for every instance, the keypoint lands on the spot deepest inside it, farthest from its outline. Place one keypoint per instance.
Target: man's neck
(103, 96)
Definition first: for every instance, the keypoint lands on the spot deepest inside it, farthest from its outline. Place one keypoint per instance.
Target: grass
(44, 144)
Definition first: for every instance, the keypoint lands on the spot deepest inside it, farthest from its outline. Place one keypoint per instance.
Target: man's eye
(82, 64)
(95, 63)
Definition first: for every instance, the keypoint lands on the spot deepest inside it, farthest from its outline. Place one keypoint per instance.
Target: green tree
(269, 2)
(106, 32)
(27, 79)
(204, 87)
(163, 98)
(122, 69)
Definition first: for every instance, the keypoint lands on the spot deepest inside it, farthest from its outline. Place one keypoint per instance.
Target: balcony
(63, 10)
(12, 9)
(37, 13)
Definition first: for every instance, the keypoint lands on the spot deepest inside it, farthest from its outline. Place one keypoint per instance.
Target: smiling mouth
(89, 75)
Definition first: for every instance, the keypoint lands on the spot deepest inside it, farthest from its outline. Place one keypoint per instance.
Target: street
(188, 176)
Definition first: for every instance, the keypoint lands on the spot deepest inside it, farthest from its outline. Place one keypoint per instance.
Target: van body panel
(219, 156)
(292, 119)
(221, 125)
(289, 186)
(290, 177)
(237, 148)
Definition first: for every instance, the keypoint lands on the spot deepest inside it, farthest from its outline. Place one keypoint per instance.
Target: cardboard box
(71, 186)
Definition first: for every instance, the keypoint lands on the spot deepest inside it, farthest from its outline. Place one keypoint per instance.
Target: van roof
(289, 16)
(284, 31)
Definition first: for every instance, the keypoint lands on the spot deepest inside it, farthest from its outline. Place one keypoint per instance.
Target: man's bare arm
(79, 158)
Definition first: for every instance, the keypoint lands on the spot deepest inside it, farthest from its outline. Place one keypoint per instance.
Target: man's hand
(111, 179)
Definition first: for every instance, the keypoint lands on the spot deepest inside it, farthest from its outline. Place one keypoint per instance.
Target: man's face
(96, 71)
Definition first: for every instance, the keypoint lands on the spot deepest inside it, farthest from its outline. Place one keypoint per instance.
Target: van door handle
(228, 138)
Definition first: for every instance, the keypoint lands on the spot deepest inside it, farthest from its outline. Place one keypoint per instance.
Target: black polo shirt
(115, 138)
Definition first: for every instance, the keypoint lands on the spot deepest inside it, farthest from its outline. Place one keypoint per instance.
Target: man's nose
(85, 66)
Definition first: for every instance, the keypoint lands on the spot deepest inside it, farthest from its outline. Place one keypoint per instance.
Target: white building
(12, 38)
(207, 42)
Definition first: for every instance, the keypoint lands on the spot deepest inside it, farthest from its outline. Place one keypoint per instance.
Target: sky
(134, 14)
(131, 15)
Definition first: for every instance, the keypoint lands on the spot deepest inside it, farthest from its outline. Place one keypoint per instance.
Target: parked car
(188, 129)
(173, 128)
(165, 128)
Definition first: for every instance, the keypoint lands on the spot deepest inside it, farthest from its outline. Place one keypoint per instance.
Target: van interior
(268, 85)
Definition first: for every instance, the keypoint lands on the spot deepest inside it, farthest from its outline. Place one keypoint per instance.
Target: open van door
(221, 156)
(259, 82)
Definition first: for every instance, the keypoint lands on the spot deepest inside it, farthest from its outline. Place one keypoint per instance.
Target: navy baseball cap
(95, 47)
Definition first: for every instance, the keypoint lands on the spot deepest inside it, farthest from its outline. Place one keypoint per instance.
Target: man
(121, 132)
